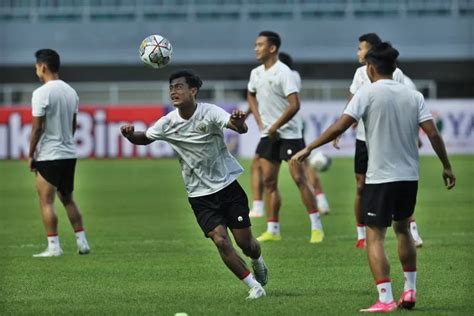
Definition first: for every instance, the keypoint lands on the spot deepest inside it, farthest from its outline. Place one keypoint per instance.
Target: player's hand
(31, 164)
(273, 133)
(127, 130)
(335, 142)
(300, 156)
(238, 117)
(449, 178)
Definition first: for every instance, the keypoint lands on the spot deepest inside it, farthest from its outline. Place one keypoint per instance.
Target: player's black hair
(371, 38)
(383, 57)
(192, 79)
(50, 58)
(272, 37)
(286, 59)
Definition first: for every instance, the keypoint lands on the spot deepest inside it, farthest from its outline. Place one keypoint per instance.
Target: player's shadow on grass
(322, 292)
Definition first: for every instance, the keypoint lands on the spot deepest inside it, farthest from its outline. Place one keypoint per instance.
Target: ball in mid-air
(156, 51)
(319, 161)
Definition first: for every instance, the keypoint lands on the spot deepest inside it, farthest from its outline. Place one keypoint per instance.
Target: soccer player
(52, 153)
(392, 114)
(273, 99)
(361, 79)
(195, 132)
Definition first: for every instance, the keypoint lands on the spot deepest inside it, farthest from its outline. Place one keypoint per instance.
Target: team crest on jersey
(202, 128)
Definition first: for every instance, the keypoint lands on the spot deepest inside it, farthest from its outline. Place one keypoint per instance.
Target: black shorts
(228, 207)
(59, 173)
(384, 202)
(361, 158)
(278, 150)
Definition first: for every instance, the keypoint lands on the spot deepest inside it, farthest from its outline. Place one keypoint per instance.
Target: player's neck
(379, 77)
(187, 111)
(50, 76)
(268, 63)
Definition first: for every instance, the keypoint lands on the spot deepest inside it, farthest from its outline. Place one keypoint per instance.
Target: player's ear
(273, 49)
(194, 91)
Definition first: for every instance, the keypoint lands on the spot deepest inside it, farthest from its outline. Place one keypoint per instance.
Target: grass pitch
(150, 257)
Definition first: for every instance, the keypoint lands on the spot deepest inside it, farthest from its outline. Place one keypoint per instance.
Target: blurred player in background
(311, 174)
(52, 153)
(361, 79)
(392, 114)
(273, 99)
(195, 132)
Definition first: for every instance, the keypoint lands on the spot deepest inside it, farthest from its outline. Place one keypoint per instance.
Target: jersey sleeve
(358, 104)
(39, 103)
(356, 82)
(289, 83)
(423, 112)
(251, 86)
(156, 131)
(219, 117)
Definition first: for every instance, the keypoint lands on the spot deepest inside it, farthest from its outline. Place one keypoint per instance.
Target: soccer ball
(156, 51)
(319, 161)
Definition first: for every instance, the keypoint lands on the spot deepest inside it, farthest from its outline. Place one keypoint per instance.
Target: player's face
(263, 49)
(362, 51)
(181, 94)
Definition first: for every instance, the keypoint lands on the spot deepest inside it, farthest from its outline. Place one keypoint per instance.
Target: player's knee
(270, 184)
(222, 243)
(65, 198)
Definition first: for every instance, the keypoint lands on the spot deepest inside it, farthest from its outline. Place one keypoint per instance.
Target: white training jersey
(391, 113)
(57, 102)
(273, 86)
(206, 164)
(361, 78)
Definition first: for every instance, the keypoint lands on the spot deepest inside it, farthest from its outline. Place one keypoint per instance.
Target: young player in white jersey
(195, 132)
(311, 174)
(361, 79)
(52, 153)
(392, 114)
(273, 99)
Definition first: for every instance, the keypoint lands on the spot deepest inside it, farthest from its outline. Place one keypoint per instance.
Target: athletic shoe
(83, 247)
(317, 236)
(54, 252)
(323, 205)
(380, 307)
(261, 272)
(256, 292)
(267, 236)
(407, 300)
(254, 214)
(360, 244)
(418, 242)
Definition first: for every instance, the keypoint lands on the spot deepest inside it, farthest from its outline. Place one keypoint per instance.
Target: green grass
(149, 255)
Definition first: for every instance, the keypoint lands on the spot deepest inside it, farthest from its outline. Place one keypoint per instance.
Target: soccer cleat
(317, 236)
(256, 292)
(261, 272)
(254, 214)
(360, 244)
(407, 300)
(418, 242)
(267, 236)
(49, 252)
(323, 204)
(83, 247)
(380, 307)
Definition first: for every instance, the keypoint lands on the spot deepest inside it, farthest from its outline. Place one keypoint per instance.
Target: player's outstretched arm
(137, 138)
(438, 145)
(237, 122)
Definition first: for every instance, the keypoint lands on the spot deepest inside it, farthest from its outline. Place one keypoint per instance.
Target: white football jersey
(57, 102)
(206, 164)
(392, 113)
(273, 86)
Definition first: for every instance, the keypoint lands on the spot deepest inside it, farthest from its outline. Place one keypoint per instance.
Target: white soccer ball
(156, 51)
(319, 161)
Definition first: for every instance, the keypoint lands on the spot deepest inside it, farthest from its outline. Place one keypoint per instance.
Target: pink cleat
(380, 307)
(407, 300)
(360, 244)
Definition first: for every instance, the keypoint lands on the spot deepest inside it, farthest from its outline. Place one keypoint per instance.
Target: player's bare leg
(234, 262)
(251, 248)
(270, 171)
(298, 174)
(46, 193)
(257, 188)
(75, 218)
(315, 183)
(407, 255)
(360, 182)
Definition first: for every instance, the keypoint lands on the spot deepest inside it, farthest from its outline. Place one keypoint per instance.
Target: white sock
(257, 206)
(385, 292)
(53, 242)
(250, 281)
(410, 281)
(273, 227)
(414, 230)
(315, 221)
(360, 232)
